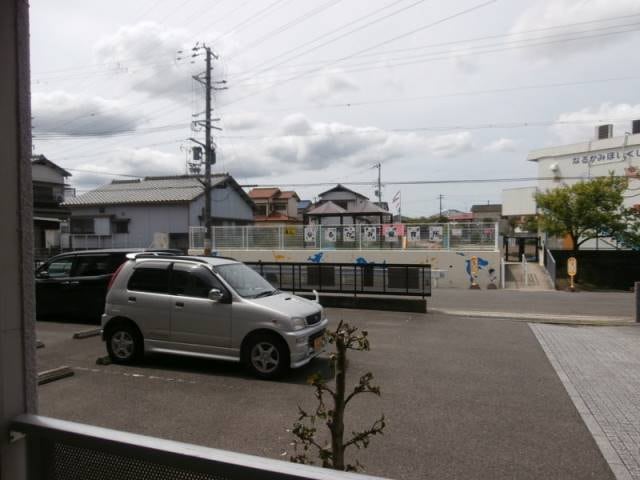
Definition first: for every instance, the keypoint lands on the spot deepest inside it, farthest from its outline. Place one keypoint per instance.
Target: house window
(261, 209)
(121, 226)
(82, 225)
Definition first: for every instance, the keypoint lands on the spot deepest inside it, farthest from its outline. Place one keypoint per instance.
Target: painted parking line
(135, 375)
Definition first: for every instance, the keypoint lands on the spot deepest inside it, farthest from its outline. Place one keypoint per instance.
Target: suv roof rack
(136, 256)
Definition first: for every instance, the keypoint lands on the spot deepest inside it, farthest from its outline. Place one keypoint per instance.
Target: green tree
(332, 452)
(585, 210)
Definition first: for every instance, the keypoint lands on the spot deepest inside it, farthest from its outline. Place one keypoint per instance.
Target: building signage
(310, 234)
(330, 234)
(606, 157)
(572, 266)
(349, 234)
(413, 233)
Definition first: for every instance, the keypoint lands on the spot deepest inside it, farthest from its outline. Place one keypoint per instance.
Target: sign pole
(572, 270)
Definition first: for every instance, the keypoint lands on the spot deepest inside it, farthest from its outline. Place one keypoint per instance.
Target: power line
(393, 39)
(452, 94)
(271, 67)
(430, 182)
(427, 58)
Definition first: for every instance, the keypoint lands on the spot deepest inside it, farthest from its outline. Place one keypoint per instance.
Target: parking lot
(463, 398)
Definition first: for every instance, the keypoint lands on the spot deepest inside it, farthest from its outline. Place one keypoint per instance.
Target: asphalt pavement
(463, 398)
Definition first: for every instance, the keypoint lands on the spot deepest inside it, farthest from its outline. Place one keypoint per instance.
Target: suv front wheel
(124, 344)
(267, 356)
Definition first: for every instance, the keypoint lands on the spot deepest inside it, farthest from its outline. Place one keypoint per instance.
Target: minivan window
(58, 268)
(92, 265)
(247, 282)
(148, 279)
(196, 282)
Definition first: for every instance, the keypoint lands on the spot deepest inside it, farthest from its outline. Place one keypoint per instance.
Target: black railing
(348, 278)
(62, 450)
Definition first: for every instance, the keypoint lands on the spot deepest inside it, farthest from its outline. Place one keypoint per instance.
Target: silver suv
(210, 307)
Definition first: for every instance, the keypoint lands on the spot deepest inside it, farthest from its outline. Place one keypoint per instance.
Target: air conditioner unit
(604, 131)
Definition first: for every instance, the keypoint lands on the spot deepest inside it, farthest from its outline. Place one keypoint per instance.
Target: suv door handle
(180, 304)
(132, 299)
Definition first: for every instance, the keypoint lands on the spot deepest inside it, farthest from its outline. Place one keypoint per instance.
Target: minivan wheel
(267, 356)
(124, 344)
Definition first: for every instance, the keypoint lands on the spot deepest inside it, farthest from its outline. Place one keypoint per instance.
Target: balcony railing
(61, 450)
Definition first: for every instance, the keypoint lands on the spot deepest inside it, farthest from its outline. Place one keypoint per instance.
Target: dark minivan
(74, 285)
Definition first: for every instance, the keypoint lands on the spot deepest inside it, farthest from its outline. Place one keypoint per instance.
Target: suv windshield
(247, 282)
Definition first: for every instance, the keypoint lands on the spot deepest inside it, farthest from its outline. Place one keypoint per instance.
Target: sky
(320, 91)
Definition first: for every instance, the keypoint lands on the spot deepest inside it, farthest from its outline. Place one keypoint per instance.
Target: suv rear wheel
(267, 356)
(124, 344)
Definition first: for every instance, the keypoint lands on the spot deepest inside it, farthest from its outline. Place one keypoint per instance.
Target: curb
(560, 319)
(94, 332)
(54, 374)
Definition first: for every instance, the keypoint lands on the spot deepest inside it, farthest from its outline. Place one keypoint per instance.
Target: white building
(569, 164)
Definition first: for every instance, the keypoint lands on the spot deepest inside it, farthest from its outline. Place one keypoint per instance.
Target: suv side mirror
(215, 294)
(42, 274)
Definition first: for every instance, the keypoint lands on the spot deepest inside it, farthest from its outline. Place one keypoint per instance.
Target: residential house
(275, 206)
(154, 211)
(303, 206)
(341, 205)
(49, 187)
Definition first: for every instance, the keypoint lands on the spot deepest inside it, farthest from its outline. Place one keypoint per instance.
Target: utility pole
(209, 147)
(379, 191)
(440, 197)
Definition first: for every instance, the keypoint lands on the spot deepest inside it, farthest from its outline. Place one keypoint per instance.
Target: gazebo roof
(327, 208)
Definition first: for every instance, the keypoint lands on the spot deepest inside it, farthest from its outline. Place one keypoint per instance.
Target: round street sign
(572, 266)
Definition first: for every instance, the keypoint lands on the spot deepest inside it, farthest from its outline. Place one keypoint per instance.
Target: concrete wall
(450, 269)
(17, 325)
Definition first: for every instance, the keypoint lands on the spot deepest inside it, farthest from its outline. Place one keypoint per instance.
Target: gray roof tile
(149, 190)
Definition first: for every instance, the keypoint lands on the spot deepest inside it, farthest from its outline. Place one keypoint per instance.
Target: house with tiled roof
(154, 211)
(275, 206)
(342, 206)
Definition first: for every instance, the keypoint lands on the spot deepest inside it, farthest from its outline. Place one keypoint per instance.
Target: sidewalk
(610, 308)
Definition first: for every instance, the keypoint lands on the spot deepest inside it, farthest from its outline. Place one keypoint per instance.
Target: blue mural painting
(482, 263)
(316, 258)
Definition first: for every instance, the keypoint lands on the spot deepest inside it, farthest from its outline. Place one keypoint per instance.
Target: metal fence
(61, 450)
(447, 236)
(378, 279)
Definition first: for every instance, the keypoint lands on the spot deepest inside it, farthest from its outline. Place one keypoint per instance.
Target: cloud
(148, 53)
(330, 83)
(128, 161)
(578, 126)
(243, 121)
(550, 13)
(76, 115)
(306, 146)
(450, 145)
(501, 145)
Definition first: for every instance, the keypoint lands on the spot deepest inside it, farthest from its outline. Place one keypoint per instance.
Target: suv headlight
(298, 323)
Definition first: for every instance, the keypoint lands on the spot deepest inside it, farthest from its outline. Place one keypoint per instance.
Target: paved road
(600, 304)
(600, 368)
(464, 398)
